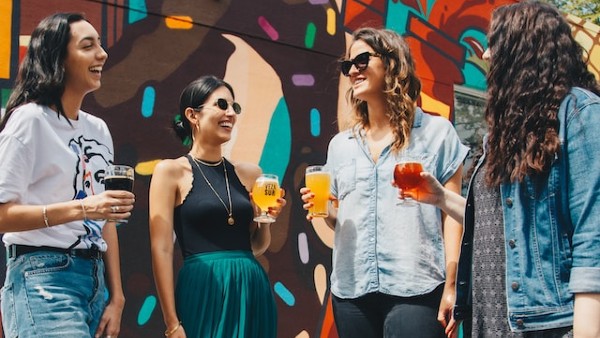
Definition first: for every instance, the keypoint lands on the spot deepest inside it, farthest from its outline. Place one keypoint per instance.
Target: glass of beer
(265, 193)
(407, 176)
(119, 177)
(318, 181)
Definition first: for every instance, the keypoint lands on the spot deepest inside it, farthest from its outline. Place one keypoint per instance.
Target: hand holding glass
(318, 181)
(407, 176)
(119, 177)
(265, 194)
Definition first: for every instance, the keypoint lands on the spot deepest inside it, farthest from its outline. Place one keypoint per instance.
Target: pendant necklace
(229, 210)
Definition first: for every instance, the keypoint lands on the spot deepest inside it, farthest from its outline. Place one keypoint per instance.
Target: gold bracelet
(83, 209)
(45, 214)
(171, 331)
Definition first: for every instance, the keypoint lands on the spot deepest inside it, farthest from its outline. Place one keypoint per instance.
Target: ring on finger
(114, 209)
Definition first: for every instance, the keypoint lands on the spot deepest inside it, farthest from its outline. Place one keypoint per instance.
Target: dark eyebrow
(90, 39)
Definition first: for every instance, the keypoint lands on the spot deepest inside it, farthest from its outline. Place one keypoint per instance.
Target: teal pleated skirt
(225, 294)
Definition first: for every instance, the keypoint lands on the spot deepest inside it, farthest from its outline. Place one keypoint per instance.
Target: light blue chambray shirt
(381, 246)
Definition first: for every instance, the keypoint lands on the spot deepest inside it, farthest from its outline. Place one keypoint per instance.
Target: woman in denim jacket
(530, 258)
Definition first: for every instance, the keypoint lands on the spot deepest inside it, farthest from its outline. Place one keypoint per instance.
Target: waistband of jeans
(16, 250)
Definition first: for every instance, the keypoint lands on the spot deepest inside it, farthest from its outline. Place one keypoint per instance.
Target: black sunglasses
(224, 105)
(361, 62)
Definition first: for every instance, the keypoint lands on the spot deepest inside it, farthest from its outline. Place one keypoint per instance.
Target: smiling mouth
(358, 81)
(97, 70)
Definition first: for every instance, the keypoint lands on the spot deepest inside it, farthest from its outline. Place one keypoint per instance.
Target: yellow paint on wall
(146, 168)
(179, 22)
(5, 29)
(331, 16)
(320, 277)
(251, 77)
(430, 104)
(303, 334)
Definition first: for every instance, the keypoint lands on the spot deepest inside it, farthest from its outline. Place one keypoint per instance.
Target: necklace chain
(208, 164)
(229, 210)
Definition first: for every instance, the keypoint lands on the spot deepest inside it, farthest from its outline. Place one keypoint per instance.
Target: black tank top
(201, 220)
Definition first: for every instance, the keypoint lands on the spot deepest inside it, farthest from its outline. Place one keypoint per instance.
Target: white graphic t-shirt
(45, 160)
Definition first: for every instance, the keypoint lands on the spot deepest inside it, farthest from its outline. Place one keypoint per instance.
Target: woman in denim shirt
(393, 265)
(530, 258)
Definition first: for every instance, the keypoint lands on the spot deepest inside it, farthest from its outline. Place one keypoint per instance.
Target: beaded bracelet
(45, 214)
(171, 331)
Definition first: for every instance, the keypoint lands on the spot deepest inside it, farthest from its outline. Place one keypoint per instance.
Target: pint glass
(318, 181)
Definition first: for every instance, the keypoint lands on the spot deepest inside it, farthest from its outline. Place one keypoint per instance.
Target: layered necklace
(229, 210)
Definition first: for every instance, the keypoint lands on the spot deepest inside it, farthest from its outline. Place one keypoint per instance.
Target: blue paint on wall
(276, 153)
(137, 10)
(148, 100)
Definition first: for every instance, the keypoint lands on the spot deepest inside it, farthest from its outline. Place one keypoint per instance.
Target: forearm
(452, 226)
(16, 217)
(452, 239)
(112, 263)
(261, 239)
(331, 219)
(586, 319)
(162, 266)
(453, 204)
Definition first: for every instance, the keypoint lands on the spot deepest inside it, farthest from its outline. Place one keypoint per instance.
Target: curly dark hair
(41, 77)
(402, 86)
(534, 63)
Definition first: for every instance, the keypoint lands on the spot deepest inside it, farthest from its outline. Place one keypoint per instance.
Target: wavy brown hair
(402, 87)
(534, 63)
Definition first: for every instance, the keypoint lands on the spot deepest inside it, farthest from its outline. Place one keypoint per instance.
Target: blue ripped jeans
(49, 294)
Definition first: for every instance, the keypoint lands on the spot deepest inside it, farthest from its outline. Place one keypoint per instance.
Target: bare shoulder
(172, 167)
(247, 172)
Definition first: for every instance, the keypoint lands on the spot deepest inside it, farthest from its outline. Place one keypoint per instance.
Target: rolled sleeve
(583, 149)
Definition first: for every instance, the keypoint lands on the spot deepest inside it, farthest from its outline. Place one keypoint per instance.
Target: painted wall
(281, 58)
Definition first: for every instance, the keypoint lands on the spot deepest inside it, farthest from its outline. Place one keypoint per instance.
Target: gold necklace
(229, 210)
(208, 164)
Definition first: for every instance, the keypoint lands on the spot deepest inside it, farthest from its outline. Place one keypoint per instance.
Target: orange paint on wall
(5, 28)
(179, 22)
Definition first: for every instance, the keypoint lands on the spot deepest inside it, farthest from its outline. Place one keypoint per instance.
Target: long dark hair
(41, 77)
(535, 61)
(402, 86)
(192, 96)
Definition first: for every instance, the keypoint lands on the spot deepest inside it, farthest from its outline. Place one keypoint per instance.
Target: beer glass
(318, 181)
(265, 193)
(119, 177)
(407, 176)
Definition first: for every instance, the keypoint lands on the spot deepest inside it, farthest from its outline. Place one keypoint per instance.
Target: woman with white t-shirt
(53, 207)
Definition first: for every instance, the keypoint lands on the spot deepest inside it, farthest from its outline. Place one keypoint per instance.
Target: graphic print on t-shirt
(92, 159)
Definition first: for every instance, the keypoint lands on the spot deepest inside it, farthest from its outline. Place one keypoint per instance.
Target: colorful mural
(281, 58)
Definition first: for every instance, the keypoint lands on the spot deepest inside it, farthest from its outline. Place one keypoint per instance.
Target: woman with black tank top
(222, 290)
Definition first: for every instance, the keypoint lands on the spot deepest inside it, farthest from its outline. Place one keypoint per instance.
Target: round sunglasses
(224, 105)
(361, 62)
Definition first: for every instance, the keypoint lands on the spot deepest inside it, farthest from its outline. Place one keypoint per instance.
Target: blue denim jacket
(551, 227)
(381, 246)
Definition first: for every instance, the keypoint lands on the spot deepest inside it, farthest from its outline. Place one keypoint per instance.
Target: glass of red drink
(407, 176)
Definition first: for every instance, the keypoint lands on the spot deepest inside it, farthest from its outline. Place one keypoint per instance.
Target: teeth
(226, 124)
(96, 69)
